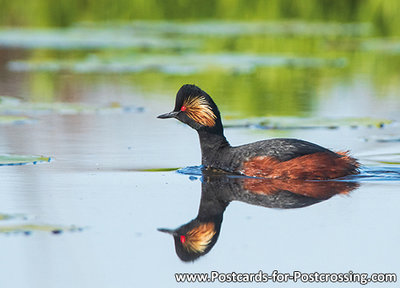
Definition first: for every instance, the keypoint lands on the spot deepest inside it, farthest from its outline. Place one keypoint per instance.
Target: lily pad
(28, 229)
(305, 123)
(10, 119)
(86, 38)
(237, 28)
(157, 169)
(182, 64)
(157, 34)
(389, 46)
(4, 217)
(11, 160)
(22, 227)
(9, 105)
(5, 100)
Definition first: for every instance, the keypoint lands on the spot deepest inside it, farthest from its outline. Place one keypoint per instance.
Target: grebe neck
(211, 145)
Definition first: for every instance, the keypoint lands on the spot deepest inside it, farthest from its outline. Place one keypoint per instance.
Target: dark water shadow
(197, 237)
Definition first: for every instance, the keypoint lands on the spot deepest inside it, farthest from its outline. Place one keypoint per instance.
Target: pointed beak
(169, 231)
(172, 114)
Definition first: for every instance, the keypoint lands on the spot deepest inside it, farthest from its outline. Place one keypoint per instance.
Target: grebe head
(194, 239)
(195, 108)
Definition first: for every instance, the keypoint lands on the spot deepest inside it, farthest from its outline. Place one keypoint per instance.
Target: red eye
(183, 108)
(183, 238)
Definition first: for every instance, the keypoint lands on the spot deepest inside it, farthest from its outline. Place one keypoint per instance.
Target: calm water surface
(106, 172)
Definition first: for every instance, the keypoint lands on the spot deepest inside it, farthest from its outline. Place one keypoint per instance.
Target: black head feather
(196, 108)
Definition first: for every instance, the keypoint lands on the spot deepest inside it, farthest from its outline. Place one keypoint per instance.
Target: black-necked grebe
(275, 158)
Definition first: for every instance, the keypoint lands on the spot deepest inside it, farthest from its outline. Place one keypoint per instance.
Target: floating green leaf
(305, 123)
(238, 28)
(157, 34)
(86, 38)
(157, 169)
(27, 229)
(11, 119)
(4, 217)
(9, 105)
(383, 45)
(10, 160)
(182, 64)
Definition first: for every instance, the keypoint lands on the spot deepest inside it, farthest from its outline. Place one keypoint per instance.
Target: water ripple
(370, 173)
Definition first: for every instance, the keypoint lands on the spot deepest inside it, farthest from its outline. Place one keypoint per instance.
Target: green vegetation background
(384, 14)
(272, 91)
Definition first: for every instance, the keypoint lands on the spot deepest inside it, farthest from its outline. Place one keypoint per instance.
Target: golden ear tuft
(198, 239)
(198, 108)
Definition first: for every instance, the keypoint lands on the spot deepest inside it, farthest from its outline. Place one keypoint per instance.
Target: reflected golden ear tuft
(198, 108)
(198, 239)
